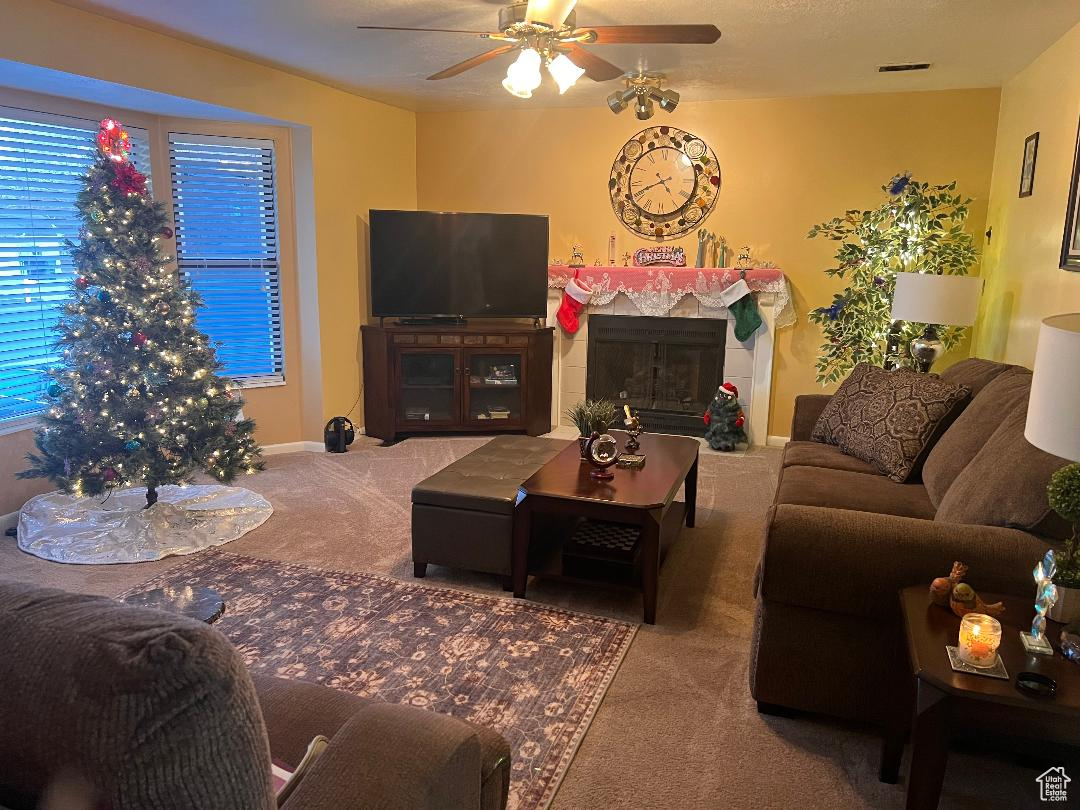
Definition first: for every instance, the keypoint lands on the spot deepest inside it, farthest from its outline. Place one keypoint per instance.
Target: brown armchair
(137, 708)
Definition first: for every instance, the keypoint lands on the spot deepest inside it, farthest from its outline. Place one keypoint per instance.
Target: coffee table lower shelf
(553, 556)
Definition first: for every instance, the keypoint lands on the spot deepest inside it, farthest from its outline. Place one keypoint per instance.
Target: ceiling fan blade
(551, 13)
(472, 62)
(655, 34)
(597, 69)
(429, 30)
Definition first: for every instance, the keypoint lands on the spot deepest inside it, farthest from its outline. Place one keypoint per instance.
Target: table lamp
(1053, 425)
(936, 301)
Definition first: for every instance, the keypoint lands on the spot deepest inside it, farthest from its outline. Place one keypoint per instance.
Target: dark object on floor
(338, 434)
(12, 532)
(201, 604)
(948, 700)
(644, 499)
(463, 515)
(160, 711)
(840, 539)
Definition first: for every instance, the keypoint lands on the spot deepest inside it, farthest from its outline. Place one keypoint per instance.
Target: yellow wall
(1023, 281)
(363, 155)
(787, 164)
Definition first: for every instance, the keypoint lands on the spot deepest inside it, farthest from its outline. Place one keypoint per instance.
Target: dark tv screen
(427, 263)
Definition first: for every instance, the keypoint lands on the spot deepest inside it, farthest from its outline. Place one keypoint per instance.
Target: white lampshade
(941, 300)
(551, 13)
(1053, 417)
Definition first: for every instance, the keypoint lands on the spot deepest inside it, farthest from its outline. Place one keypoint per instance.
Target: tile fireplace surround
(748, 365)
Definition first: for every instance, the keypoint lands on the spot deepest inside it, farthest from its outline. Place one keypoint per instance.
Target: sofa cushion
(973, 428)
(487, 479)
(149, 709)
(1005, 484)
(895, 427)
(843, 489)
(816, 454)
(974, 373)
(860, 384)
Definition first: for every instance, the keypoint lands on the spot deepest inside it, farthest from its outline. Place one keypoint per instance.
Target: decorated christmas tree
(918, 229)
(725, 419)
(137, 398)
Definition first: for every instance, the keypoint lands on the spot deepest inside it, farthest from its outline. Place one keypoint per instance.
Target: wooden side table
(943, 693)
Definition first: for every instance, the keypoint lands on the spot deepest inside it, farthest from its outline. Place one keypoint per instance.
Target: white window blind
(225, 208)
(42, 158)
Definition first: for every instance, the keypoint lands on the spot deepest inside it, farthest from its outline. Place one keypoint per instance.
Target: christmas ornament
(113, 140)
(109, 474)
(104, 297)
(725, 420)
(204, 402)
(166, 232)
(131, 445)
(97, 215)
(82, 283)
(53, 390)
(129, 180)
(138, 338)
(575, 297)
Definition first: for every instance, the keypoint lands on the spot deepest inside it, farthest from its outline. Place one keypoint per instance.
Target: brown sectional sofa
(842, 540)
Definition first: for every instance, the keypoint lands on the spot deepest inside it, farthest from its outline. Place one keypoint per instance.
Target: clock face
(664, 182)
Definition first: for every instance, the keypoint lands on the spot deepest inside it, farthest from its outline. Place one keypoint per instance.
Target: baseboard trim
(8, 520)
(777, 441)
(292, 447)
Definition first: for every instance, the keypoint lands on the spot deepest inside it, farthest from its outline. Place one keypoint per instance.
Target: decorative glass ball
(53, 389)
(82, 282)
(604, 450)
(103, 296)
(131, 445)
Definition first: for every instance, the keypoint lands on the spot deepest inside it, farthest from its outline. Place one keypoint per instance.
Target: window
(42, 160)
(225, 210)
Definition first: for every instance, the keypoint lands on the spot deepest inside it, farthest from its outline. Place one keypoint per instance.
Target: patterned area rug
(533, 673)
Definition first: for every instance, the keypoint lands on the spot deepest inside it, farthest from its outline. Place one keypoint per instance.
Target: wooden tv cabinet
(482, 379)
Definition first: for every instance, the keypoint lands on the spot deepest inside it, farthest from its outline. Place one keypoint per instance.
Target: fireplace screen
(666, 369)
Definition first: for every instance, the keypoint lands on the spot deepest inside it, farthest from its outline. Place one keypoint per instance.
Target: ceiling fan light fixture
(644, 108)
(564, 72)
(523, 75)
(549, 13)
(668, 100)
(618, 100)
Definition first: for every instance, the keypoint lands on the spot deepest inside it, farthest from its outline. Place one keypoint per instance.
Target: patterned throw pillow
(894, 427)
(860, 384)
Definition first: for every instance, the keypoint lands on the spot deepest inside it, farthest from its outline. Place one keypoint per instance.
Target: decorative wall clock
(664, 182)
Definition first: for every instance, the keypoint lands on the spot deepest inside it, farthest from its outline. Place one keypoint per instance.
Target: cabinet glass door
(428, 383)
(493, 379)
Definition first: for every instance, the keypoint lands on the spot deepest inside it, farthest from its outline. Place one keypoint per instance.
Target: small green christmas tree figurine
(724, 420)
(137, 398)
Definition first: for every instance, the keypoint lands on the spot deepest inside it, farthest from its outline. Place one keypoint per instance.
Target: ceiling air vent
(904, 66)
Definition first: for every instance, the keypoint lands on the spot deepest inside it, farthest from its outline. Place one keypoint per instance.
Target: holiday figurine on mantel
(137, 398)
(724, 420)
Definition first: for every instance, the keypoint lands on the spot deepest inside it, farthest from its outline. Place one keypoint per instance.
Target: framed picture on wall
(1070, 244)
(1027, 167)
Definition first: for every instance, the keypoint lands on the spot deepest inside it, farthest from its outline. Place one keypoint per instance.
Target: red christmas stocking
(574, 299)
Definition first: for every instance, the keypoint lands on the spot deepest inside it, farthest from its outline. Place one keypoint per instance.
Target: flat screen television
(433, 264)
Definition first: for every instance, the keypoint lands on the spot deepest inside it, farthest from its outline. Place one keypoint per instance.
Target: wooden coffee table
(642, 498)
(945, 697)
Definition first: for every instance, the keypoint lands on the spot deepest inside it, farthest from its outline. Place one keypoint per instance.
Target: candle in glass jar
(980, 636)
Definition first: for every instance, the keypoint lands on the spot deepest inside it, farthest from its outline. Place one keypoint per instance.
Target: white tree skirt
(117, 529)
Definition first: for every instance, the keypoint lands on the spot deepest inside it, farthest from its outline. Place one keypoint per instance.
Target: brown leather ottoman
(463, 515)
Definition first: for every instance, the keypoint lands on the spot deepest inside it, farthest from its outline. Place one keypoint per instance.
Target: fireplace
(666, 369)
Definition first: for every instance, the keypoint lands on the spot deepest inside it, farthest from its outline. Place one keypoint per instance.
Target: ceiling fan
(546, 31)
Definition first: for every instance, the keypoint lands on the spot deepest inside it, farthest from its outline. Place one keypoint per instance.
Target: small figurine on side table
(1046, 595)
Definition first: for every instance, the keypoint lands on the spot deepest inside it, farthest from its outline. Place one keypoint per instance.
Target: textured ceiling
(769, 47)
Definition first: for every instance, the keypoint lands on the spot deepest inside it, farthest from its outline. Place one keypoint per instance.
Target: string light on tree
(116, 417)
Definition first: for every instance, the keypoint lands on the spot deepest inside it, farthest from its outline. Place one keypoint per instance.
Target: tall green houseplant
(918, 229)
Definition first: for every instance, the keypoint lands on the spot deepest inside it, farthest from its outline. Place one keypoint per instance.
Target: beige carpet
(677, 728)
